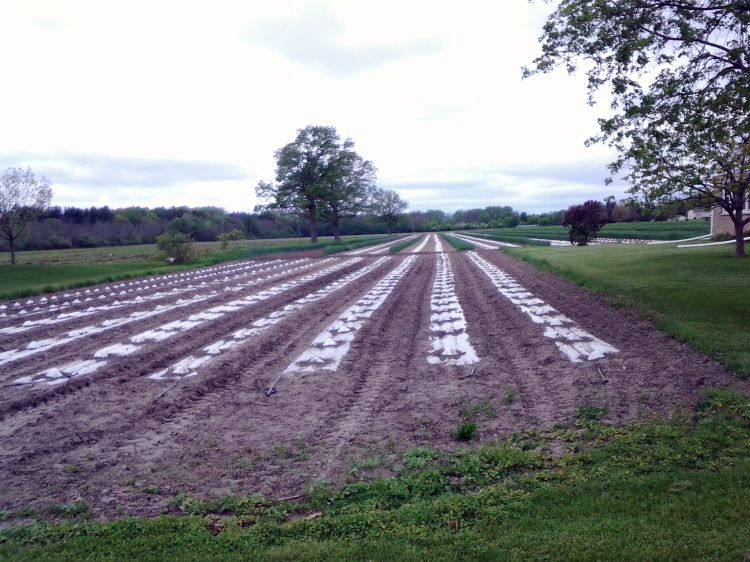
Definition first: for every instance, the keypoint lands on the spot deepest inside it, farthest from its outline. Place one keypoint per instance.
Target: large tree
(318, 177)
(349, 188)
(22, 198)
(388, 205)
(679, 79)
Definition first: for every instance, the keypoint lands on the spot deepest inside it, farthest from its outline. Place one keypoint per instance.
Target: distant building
(721, 224)
(699, 214)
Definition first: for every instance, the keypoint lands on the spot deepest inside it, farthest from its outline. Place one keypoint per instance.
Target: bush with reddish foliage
(584, 221)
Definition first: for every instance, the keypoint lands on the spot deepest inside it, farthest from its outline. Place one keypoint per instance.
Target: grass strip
(621, 230)
(458, 244)
(512, 238)
(700, 296)
(396, 248)
(673, 489)
(355, 245)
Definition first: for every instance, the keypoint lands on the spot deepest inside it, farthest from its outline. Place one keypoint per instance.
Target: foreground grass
(658, 490)
(56, 270)
(700, 296)
(623, 230)
(458, 244)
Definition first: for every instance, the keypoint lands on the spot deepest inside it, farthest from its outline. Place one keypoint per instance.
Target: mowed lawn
(698, 295)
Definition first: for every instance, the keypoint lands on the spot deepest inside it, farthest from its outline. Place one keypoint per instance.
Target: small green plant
(76, 509)
(587, 412)
(240, 463)
(281, 451)
(465, 431)
(509, 396)
(151, 489)
(484, 408)
(69, 469)
(419, 458)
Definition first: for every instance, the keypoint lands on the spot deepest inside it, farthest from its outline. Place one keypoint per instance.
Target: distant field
(701, 296)
(625, 230)
(51, 270)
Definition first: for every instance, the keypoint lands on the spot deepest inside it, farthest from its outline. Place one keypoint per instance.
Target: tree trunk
(388, 227)
(336, 231)
(12, 244)
(313, 230)
(739, 237)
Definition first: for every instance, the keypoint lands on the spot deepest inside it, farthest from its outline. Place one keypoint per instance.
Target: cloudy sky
(184, 103)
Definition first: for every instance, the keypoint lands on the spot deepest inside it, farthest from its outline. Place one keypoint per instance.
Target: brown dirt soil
(119, 442)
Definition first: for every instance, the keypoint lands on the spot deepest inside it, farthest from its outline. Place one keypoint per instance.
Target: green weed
(587, 413)
(465, 431)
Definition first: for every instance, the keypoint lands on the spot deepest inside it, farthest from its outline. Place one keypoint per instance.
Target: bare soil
(125, 443)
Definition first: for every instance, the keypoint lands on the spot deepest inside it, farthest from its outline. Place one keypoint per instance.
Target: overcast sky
(184, 103)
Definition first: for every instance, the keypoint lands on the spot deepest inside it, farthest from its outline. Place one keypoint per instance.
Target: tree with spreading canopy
(22, 199)
(349, 188)
(319, 177)
(679, 78)
(387, 205)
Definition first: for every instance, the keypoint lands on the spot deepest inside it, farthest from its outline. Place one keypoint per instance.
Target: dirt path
(125, 443)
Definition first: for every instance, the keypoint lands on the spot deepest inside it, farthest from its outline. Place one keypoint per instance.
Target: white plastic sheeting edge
(723, 243)
(333, 343)
(185, 368)
(573, 341)
(448, 336)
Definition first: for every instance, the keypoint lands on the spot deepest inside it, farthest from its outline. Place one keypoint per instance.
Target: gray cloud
(530, 189)
(316, 38)
(586, 172)
(91, 171)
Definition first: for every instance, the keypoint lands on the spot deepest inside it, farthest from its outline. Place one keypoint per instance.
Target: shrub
(226, 237)
(88, 242)
(584, 221)
(177, 247)
(56, 242)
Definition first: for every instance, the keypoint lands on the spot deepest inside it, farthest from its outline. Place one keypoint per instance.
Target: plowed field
(265, 376)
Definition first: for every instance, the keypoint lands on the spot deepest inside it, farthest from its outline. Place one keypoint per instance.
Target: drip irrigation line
(163, 392)
(473, 370)
(601, 379)
(272, 389)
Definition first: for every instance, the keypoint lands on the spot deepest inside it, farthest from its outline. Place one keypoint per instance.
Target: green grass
(396, 248)
(511, 236)
(458, 244)
(56, 270)
(623, 230)
(657, 490)
(700, 296)
(356, 244)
